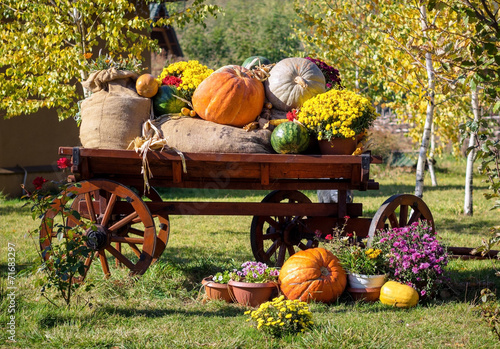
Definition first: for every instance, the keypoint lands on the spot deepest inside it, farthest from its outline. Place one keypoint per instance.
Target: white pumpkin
(293, 81)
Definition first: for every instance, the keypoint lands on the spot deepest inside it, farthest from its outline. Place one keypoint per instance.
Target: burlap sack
(201, 136)
(113, 115)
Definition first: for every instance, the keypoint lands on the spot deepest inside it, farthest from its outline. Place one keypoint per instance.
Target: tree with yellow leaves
(45, 45)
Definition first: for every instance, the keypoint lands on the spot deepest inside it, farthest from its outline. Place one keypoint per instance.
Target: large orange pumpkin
(313, 274)
(229, 96)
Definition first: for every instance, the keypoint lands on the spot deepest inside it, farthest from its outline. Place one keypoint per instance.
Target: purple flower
(424, 266)
(414, 248)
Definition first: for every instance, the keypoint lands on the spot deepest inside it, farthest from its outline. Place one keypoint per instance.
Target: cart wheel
(118, 216)
(273, 238)
(399, 210)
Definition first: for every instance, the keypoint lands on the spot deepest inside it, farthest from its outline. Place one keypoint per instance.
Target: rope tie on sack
(151, 140)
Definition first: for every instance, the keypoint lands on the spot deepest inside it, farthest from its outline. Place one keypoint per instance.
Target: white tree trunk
(422, 155)
(430, 160)
(471, 157)
(356, 82)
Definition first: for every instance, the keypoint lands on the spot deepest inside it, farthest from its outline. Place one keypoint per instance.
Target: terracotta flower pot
(339, 146)
(251, 294)
(367, 294)
(365, 287)
(214, 290)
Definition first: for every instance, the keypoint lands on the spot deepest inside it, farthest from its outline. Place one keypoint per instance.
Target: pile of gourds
(236, 95)
(316, 274)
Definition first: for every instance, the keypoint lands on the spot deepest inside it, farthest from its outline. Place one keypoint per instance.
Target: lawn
(165, 307)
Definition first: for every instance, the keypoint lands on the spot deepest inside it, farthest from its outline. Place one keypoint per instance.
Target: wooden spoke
(90, 208)
(393, 220)
(120, 257)
(135, 231)
(135, 249)
(273, 237)
(73, 220)
(272, 222)
(281, 255)
(403, 215)
(127, 239)
(109, 210)
(96, 200)
(402, 202)
(104, 263)
(118, 247)
(271, 250)
(302, 246)
(415, 217)
(123, 222)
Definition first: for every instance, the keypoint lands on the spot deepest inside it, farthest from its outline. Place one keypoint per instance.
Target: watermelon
(164, 101)
(290, 138)
(261, 60)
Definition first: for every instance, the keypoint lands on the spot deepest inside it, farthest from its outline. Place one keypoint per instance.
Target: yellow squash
(398, 295)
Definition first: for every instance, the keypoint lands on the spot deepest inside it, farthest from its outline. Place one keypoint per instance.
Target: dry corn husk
(151, 140)
(251, 126)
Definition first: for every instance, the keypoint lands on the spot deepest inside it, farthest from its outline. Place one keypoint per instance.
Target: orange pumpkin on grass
(229, 96)
(312, 274)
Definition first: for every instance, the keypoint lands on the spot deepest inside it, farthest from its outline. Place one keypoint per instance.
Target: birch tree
(475, 60)
(398, 44)
(46, 45)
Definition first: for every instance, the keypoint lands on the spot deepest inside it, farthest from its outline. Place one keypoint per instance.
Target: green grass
(165, 308)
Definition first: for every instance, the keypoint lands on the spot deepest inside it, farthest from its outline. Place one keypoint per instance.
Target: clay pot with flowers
(338, 119)
(216, 286)
(366, 266)
(254, 283)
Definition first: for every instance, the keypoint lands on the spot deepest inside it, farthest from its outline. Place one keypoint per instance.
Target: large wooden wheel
(400, 210)
(117, 216)
(275, 238)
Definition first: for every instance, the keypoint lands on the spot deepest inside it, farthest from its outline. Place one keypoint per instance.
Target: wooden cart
(135, 230)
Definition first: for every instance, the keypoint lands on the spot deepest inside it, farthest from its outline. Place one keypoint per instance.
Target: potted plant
(338, 119)
(415, 256)
(216, 286)
(254, 283)
(366, 267)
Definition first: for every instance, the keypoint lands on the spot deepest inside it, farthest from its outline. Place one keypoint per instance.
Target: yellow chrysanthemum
(337, 113)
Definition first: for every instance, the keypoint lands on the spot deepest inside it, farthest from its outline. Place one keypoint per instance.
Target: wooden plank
(158, 181)
(325, 225)
(264, 173)
(176, 172)
(154, 156)
(210, 208)
(285, 170)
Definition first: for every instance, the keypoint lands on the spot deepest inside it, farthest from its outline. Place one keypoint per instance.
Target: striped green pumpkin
(290, 138)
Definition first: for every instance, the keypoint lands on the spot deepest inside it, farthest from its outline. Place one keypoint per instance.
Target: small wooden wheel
(273, 238)
(117, 214)
(400, 210)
